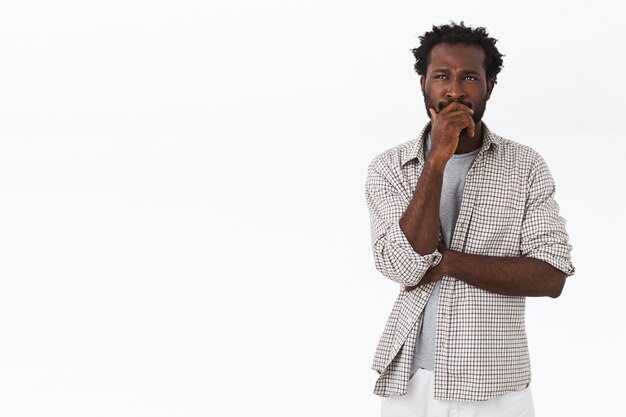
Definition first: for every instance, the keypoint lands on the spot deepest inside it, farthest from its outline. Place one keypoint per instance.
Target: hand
(447, 126)
(433, 274)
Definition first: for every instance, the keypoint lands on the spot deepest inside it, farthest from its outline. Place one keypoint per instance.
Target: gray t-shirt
(449, 206)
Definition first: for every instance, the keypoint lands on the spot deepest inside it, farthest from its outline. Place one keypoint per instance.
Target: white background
(183, 229)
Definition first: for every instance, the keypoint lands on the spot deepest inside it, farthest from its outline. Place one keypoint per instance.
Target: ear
(490, 84)
(422, 82)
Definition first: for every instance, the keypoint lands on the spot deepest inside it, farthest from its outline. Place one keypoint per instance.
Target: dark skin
(455, 89)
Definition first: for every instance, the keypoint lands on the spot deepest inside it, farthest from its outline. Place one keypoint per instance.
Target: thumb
(472, 130)
(433, 113)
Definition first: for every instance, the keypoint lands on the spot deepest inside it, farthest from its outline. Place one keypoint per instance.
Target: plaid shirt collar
(416, 150)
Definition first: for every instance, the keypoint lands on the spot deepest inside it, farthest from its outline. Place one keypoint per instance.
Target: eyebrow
(466, 72)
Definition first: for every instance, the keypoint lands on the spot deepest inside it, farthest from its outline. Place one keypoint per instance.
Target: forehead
(457, 57)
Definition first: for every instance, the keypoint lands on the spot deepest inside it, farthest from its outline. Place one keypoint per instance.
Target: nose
(455, 90)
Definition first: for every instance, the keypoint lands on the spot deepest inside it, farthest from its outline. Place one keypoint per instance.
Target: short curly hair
(454, 34)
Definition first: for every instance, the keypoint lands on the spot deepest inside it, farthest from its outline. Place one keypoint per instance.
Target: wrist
(448, 259)
(437, 162)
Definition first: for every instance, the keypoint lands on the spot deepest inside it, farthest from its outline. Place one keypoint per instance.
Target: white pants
(419, 402)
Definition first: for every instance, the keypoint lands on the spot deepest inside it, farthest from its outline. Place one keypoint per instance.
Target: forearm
(420, 220)
(393, 254)
(504, 275)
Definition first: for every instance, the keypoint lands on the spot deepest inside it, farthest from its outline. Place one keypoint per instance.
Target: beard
(479, 109)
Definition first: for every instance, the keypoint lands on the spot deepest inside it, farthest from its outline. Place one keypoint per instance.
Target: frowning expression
(456, 72)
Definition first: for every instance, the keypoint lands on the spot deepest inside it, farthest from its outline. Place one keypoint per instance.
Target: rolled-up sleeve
(394, 256)
(543, 229)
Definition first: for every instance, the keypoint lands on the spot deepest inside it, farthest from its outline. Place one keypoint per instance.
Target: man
(466, 222)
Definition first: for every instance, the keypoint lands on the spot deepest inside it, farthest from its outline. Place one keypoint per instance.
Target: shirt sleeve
(543, 230)
(394, 256)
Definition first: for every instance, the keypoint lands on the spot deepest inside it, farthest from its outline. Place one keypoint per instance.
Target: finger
(433, 113)
(471, 129)
(457, 106)
(461, 120)
(458, 114)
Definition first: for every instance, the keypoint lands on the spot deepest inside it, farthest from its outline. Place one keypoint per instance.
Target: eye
(471, 78)
(440, 76)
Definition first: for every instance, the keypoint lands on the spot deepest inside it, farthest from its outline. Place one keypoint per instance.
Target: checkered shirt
(508, 209)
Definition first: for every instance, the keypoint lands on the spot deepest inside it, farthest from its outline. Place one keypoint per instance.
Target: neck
(468, 144)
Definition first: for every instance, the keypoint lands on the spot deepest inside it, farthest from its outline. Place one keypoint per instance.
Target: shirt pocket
(495, 231)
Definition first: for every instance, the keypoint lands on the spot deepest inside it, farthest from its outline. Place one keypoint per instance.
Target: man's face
(456, 73)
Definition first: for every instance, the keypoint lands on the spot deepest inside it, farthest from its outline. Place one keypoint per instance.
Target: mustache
(444, 104)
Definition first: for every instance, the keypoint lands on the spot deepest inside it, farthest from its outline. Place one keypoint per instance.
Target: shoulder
(528, 165)
(385, 170)
(393, 158)
(520, 154)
